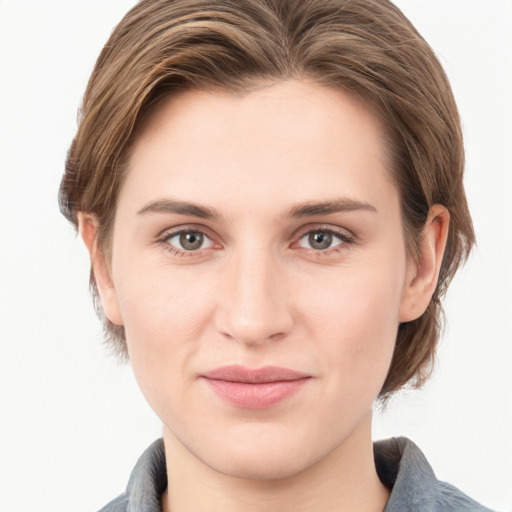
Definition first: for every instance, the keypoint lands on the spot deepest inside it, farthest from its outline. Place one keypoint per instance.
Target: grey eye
(189, 241)
(320, 240)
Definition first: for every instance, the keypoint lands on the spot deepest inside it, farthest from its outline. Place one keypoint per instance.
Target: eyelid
(200, 228)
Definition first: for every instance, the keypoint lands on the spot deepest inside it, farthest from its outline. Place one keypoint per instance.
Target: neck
(344, 480)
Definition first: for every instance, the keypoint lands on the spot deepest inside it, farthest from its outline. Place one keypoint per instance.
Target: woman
(271, 194)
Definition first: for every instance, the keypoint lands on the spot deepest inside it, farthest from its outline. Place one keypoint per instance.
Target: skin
(258, 292)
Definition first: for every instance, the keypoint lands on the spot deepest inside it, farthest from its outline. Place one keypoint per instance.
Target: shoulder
(403, 468)
(148, 481)
(120, 504)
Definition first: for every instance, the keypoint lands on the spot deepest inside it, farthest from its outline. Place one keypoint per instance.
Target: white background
(72, 421)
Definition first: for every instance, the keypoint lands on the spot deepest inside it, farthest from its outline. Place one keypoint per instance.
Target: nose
(254, 300)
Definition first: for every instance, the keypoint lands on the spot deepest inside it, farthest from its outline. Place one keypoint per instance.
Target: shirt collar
(400, 464)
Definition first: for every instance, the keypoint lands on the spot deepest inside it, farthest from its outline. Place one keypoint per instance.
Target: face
(259, 268)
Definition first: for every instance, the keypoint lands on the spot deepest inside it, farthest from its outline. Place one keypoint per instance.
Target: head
(364, 49)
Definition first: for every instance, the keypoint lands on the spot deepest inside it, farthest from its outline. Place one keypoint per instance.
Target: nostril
(255, 329)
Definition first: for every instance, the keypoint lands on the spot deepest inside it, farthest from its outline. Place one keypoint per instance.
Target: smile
(255, 388)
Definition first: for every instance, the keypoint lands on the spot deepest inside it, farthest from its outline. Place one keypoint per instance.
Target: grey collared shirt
(400, 464)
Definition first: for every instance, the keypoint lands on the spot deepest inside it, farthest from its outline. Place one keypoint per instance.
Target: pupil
(320, 240)
(191, 241)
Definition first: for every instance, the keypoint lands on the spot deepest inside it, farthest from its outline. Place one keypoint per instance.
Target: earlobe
(423, 271)
(87, 224)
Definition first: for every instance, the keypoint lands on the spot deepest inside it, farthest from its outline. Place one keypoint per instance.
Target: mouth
(257, 388)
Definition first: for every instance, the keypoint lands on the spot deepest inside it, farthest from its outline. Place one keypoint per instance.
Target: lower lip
(256, 396)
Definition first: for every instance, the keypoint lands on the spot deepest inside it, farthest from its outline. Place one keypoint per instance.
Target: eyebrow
(307, 209)
(179, 207)
(312, 209)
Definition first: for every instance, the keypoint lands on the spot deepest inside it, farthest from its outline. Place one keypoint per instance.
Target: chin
(263, 455)
(261, 465)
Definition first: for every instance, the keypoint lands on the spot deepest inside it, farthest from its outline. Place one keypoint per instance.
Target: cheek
(164, 314)
(355, 319)
(157, 303)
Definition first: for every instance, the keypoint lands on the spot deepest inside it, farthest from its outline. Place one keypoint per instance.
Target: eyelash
(345, 237)
(164, 241)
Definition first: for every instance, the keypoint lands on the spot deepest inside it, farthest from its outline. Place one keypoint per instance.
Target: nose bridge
(256, 307)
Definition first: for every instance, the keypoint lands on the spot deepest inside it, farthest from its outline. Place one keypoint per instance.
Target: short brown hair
(365, 47)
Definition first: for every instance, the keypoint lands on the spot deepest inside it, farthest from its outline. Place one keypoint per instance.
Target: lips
(256, 388)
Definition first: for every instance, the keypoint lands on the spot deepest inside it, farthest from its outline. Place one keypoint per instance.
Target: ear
(88, 227)
(423, 271)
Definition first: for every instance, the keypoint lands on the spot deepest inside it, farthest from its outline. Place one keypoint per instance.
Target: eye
(188, 241)
(322, 240)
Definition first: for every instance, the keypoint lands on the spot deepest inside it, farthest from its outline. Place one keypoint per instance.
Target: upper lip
(237, 373)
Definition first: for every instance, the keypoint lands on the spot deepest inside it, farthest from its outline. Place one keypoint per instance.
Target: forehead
(278, 144)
